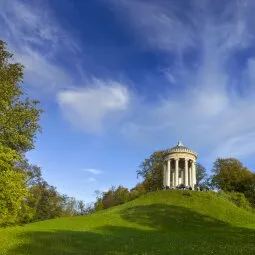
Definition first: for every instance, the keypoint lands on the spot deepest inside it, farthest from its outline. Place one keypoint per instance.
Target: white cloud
(213, 109)
(158, 24)
(93, 107)
(93, 171)
(36, 38)
(206, 111)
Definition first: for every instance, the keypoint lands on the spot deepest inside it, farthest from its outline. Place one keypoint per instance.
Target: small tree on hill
(230, 175)
(151, 170)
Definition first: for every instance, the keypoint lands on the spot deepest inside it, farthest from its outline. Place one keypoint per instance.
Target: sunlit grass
(164, 222)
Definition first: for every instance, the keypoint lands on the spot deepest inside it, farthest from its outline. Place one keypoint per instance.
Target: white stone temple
(179, 167)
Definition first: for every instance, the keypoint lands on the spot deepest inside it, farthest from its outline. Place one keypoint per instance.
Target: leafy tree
(81, 207)
(250, 189)
(230, 175)
(33, 172)
(69, 206)
(114, 196)
(49, 203)
(13, 189)
(98, 205)
(200, 173)
(108, 199)
(19, 116)
(13, 192)
(89, 208)
(151, 170)
(121, 195)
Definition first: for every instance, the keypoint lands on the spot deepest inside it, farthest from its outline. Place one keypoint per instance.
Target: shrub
(237, 198)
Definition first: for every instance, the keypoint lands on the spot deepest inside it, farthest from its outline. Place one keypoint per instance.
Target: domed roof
(180, 148)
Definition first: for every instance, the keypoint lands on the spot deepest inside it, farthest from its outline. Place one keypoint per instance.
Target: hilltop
(163, 222)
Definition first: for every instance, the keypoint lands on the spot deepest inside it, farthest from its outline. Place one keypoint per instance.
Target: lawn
(164, 222)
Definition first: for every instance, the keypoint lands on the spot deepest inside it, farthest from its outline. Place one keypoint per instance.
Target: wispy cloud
(36, 38)
(158, 23)
(93, 171)
(47, 51)
(205, 44)
(212, 109)
(94, 107)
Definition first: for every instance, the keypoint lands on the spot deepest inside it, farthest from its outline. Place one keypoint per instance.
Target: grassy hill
(164, 222)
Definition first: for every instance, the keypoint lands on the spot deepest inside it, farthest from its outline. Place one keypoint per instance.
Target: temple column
(168, 172)
(190, 178)
(164, 175)
(173, 179)
(186, 176)
(176, 172)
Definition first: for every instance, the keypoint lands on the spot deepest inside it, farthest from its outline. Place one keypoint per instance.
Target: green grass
(164, 222)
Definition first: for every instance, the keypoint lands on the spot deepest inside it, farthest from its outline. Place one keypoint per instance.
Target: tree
(98, 205)
(81, 207)
(230, 175)
(89, 208)
(69, 206)
(151, 170)
(200, 173)
(108, 199)
(250, 189)
(49, 203)
(121, 195)
(13, 190)
(114, 196)
(33, 172)
(19, 116)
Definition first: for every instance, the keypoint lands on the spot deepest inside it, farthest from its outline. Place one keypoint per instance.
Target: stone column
(194, 179)
(186, 175)
(190, 177)
(173, 179)
(168, 172)
(164, 175)
(176, 172)
(182, 177)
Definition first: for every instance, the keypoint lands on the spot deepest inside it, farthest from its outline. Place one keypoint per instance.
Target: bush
(237, 198)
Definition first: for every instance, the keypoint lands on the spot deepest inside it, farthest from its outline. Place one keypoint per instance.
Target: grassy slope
(164, 222)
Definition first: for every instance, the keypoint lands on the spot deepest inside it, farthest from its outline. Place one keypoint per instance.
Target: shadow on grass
(174, 230)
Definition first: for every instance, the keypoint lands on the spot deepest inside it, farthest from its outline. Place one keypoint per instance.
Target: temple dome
(180, 148)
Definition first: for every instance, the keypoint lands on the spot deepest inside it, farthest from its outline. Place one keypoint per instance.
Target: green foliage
(163, 222)
(115, 196)
(13, 192)
(151, 170)
(33, 172)
(98, 205)
(19, 116)
(8, 158)
(13, 189)
(49, 204)
(230, 175)
(249, 192)
(201, 173)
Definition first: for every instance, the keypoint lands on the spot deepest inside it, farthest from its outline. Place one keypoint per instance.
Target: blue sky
(119, 79)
